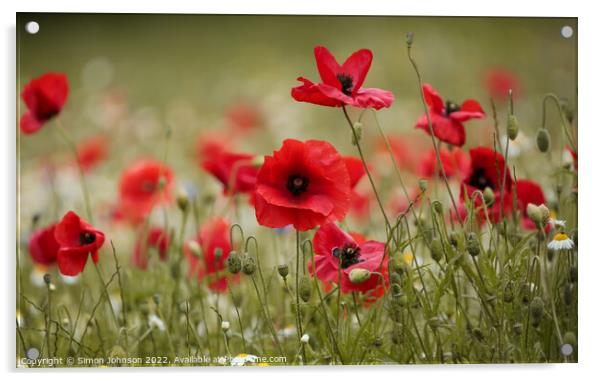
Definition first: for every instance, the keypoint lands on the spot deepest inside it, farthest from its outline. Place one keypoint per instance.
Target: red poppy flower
(573, 156)
(528, 192)
(43, 247)
(487, 170)
(342, 84)
(243, 117)
(44, 97)
(92, 151)
(143, 185)
(360, 201)
(499, 81)
(77, 239)
(304, 184)
(213, 236)
(455, 162)
(156, 238)
(447, 118)
(333, 246)
(210, 144)
(234, 170)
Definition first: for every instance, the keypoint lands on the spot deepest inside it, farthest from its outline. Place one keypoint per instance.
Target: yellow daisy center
(560, 237)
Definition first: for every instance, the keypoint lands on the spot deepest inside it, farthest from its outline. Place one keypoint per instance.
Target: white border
(590, 316)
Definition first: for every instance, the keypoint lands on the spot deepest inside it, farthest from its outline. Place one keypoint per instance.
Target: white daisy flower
(561, 241)
(155, 322)
(243, 359)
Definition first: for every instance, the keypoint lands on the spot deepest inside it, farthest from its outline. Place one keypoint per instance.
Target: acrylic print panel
(217, 190)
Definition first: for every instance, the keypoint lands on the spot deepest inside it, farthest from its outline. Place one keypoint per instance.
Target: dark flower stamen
(348, 255)
(450, 107)
(479, 180)
(297, 184)
(86, 238)
(346, 83)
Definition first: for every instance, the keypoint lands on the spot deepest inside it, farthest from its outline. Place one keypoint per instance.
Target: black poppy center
(451, 106)
(348, 255)
(149, 186)
(480, 180)
(346, 83)
(86, 238)
(297, 184)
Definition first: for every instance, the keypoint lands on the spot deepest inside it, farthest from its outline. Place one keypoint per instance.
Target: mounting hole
(32, 27)
(566, 31)
(566, 349)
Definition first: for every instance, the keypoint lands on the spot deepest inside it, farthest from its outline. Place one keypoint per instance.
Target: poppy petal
(373, 98)
(71, 263)
(357, 66)
(328, 66)
(29, 124)
(432, 98)
(310, 92)
(470, 109)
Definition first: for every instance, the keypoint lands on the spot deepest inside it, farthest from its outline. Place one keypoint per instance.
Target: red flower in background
(455, 163)
(43, 247)
(447, 118)
(243, 117)
(333, 246)
(487, 170)
(529, 192)
(210, 144)
(342, 84)
(304, 184)
(44, 97)
(213, 236)
(574, 156)
(92, 151)
(143, 185)
(235, 171)
(158, 239)
(77, 239)
(499, 81)
(360, 201)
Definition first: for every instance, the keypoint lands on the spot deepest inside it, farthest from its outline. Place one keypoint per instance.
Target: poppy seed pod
(283, 270)
(305, 288)
(409, 38)
(182, 201)
(512, 127)
(234, 263)
(472, 245)
(357, 276)
(436, 249)
(248, 265)
(488, 196)
(543, 140)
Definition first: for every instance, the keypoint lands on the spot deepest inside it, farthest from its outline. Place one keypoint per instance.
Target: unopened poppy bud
(436, 249)
(195, 248)
(248, 265)
(257, 161)
(570, 338)
(422, 184)
(225, 325)
(357, 133)
(534, 213)
(283, 270)
(455, 239)
(472, 245)
(512, 127)
(543, 140)
(437, 207)
(395, 278)
(47, 279)
(409, 38)
(305, 288)
(545, 214)
(182, 201)
(357, 276)
(234, 263)
(488, 196)
(536, 309)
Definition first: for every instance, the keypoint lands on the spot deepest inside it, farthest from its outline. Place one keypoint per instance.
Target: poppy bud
(248, 265)
(357, 134)
(422, 184)
(472, 245)
(535, 214)
(570, 338)
(357, 276)
(455, 239)
(305, 288)
(543, 140)
(397, 263)
(195, 248)
(47, 279)
(283, 271)
(488, 196)
(182, 201)
(545, 214)
(395, 278)
(536, 309)
(436, 249)
(512, 127)
(437, 207)
(234, 263)
(409, 38)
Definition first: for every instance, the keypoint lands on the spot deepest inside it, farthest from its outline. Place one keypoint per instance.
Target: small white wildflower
(225, 325)
(155, 322)
(561, 241)
(305, 338)
(557, 223)
(243, 359)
